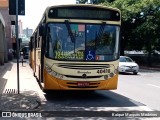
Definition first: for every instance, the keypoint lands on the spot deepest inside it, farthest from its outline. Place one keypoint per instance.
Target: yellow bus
(76, 47)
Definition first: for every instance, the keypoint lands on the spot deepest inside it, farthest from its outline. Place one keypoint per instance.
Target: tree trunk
(122, 46)
(149, 63)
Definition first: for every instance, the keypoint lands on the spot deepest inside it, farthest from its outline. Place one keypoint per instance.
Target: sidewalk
(31, 96)
(155, 68)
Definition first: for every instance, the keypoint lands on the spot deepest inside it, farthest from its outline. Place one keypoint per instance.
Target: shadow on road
(25, 101)
(89, 99)
(123, 73)
(94, 102)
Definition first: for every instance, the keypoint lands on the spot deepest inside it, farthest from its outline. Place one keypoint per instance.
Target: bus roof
(74, 5)
(83, 5)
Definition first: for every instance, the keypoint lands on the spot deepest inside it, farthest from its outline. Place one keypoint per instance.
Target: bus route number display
(103, 71)
(69, 55)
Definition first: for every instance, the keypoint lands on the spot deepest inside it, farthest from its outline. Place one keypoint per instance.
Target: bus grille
(71, 76)
(83, 66)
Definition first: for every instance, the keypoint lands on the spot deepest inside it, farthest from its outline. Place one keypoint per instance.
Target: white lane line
(132, 108)
(153, 85)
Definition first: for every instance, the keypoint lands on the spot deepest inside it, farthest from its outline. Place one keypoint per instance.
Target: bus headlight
(48, 69)
(111, 74)
(116, 71)
(53, 73)
(57, 75)
(106, 77)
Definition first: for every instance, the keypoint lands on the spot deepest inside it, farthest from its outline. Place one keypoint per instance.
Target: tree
(140, 25)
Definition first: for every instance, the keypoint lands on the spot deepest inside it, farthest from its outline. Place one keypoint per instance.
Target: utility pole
(17, 46)
(17, 7)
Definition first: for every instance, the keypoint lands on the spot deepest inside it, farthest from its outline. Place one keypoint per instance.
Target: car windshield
(84, 42)
(125, 59)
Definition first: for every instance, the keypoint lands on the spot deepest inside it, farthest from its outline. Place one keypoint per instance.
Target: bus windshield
(82, 42)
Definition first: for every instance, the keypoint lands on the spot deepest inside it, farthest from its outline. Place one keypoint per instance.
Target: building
(3, 3)
(8, 31)
(24, 40)
(2, 40)
(28, 32)
(20, 27)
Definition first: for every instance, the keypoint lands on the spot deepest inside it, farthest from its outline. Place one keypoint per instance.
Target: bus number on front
(103, 71)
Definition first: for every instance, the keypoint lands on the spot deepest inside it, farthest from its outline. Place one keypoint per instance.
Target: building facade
(8, 31)
(28, 32)
(2, 41)
(20, 27)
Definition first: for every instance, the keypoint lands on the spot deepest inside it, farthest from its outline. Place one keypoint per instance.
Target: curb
(150, 68)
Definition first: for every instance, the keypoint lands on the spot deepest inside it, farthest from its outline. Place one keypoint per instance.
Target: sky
(34, 10)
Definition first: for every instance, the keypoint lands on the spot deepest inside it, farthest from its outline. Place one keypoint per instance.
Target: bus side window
(30, 44)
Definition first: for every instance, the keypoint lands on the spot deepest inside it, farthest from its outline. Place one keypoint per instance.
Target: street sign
(21, 7)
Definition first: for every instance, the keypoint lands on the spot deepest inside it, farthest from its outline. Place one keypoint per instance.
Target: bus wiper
(100, 32)
(70, 31)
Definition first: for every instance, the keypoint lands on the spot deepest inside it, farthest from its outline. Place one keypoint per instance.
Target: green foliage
(140, 23)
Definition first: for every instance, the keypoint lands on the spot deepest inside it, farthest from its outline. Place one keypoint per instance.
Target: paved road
(135, 92)
(143, 88)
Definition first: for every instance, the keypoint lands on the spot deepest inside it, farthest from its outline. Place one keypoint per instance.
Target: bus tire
(47, 91)
(34, 74)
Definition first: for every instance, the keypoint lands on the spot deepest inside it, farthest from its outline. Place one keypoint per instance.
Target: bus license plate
(83, 84)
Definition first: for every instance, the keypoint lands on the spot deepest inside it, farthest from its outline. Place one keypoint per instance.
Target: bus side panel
(32, 59)
(33, 56)
(37, 67)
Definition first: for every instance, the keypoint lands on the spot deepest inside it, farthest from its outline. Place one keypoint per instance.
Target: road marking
(132, 108)
(153, 85)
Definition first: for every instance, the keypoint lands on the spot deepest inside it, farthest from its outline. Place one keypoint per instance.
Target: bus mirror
(41, 30)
